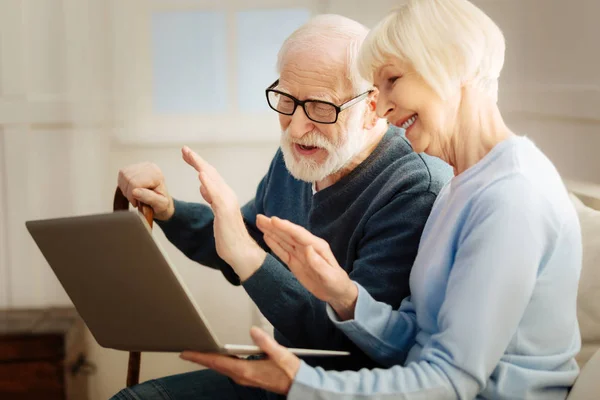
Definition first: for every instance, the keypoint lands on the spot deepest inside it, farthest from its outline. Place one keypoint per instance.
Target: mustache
(312, 139)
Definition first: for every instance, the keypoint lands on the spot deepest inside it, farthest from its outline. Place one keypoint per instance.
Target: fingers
(315, 260)
(206, 359)
(295, 236)
(198, 163)
(226, 365)
(268, 344)
(296, 232)
(305, 238)
(267, 227)
(282, 244)
(243, 372)
(193, 159)
(263, 223)
(150, 197)
(213, 188)
(292, 249)
(206, 172)
(279, 251)
(293, 258)
(143, 175)
(281, 356)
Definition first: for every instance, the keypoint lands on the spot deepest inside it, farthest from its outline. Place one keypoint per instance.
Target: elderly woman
(492, 312)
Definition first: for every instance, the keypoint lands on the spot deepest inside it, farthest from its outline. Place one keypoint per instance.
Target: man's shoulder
(416, 172)
(439, 171)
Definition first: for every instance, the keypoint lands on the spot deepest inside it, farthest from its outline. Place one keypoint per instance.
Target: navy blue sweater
(372, 219)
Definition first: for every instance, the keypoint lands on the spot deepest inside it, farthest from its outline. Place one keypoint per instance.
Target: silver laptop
(124, 287)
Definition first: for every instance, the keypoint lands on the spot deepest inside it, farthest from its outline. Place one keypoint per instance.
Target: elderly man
(341, 172)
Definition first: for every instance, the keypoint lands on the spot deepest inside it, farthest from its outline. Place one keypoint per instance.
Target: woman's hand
(275, 374)
(310, 259)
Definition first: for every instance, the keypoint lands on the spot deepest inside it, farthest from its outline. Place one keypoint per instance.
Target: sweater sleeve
(378, 330)
(382, 267)
(500, 252)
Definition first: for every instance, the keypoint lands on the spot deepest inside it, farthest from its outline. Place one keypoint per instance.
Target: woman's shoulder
(533, 197)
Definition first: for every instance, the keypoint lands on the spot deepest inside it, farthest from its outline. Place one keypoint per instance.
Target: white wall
(550, 86)
(4, 278)
(551, 89)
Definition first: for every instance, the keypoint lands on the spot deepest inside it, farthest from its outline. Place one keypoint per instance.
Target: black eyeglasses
(319, 111)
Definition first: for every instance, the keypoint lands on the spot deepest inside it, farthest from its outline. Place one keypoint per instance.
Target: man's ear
(371, 110)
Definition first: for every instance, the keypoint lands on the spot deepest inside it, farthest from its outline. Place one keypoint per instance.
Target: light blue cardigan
(492, 312)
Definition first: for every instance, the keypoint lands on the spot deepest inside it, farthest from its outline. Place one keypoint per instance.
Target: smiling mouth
(409, 122)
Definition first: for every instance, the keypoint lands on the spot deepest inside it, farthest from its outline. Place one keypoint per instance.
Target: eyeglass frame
(338, 109)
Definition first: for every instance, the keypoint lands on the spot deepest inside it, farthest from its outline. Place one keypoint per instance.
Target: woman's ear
(371, 110)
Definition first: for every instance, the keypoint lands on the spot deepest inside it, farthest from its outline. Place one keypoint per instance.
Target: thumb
(281, 356)
(207, 188)
(205, 194)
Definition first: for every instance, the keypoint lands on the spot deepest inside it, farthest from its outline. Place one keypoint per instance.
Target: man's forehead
(320, 72)
(318, 82)
(310, 92)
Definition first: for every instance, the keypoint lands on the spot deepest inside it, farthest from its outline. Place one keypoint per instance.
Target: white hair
(319, 35)
(448, 42)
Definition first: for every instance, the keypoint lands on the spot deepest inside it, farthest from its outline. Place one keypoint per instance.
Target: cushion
(588, 299)
(587, 385)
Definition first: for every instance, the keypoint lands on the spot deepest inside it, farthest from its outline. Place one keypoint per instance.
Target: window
(189, 56)
(260, 34)
(196, 70)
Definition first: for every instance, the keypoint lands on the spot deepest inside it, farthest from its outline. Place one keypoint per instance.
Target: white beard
(308, 170)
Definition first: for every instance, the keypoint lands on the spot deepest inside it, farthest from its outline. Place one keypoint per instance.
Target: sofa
(586, 198)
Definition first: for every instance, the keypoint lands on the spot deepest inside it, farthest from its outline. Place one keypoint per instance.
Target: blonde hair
(448, 42)
(320, 34)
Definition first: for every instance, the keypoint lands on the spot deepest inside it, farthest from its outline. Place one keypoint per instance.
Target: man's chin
(307, 176)
(304, 173)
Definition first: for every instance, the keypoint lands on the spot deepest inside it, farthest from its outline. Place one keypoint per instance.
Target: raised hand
(233, 242)
(310, 259)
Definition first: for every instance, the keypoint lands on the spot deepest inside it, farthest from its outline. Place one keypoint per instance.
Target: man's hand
(275, 374)
(310, 259)
(234, 243)
(145, 183)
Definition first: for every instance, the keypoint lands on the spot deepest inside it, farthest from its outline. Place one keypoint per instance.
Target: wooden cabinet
(42, 355)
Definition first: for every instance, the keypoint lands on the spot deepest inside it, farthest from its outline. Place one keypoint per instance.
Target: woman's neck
(478, 133)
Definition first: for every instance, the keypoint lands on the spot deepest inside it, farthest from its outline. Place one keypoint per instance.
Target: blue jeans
(197, 385)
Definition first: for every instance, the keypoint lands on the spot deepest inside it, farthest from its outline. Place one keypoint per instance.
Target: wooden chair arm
(121, 203)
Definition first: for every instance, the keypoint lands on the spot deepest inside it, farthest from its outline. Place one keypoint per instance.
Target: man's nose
(300, 124)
